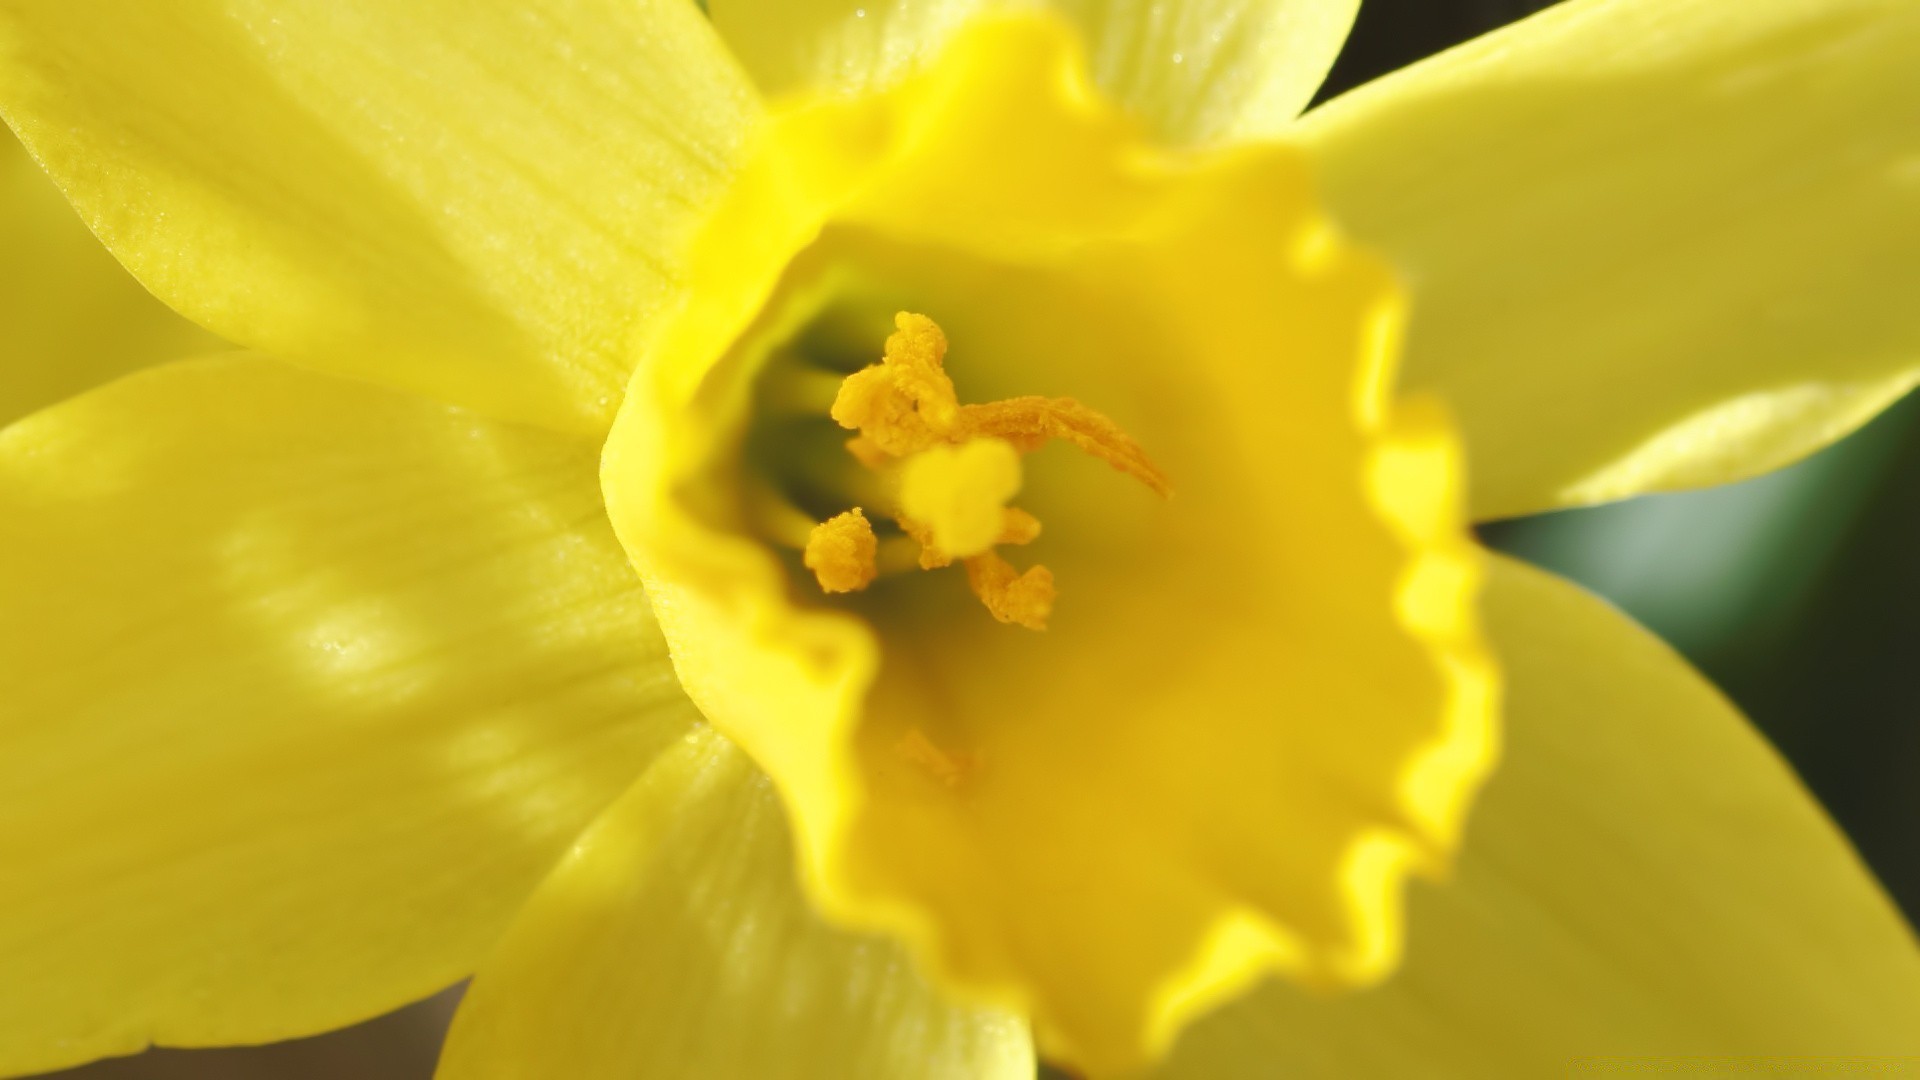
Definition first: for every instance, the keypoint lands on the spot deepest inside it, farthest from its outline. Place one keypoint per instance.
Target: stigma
(951, 471)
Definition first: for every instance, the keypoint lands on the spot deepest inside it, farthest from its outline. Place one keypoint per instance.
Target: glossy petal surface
(1655, 243)
(475, 201)
(70, 317)
(307, 686)
(1194, 71)
(673, 943)
(1237, 734)
(1644, 879)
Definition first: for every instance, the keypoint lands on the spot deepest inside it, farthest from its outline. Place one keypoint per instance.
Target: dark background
(1798, 593)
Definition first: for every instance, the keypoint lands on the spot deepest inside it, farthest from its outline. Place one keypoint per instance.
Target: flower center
(951, 470)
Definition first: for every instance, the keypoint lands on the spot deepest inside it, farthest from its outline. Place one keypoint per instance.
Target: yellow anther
(959, 466)
(959, 493)
(905, 403)
(868, 453)
(931, 557)
(1029, 422)
(947, 767)
(1011, 596)
(841, 552)
(1019, 527)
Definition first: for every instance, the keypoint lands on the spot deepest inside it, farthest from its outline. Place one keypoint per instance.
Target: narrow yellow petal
(673, 943)
(70, 317)
(1201, 70)
(1655, 243)
(1644, 879)
(1193, 71)
(474, 201)
(306, 686)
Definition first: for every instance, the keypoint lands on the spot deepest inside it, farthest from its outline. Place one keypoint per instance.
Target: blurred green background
(1798, 593)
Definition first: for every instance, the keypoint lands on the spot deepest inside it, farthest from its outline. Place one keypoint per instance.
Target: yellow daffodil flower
(1000, 460)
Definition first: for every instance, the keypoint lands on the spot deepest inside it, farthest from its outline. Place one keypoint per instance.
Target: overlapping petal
(306, 685)
(476, 201)
(1654, 243)
(674, 943)
(1643, 880)
(1194, 71)
(70, 317)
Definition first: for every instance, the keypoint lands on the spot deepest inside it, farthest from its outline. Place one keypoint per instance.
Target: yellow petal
(673, 943)
(1258, 705)
(1655, 243)
(70, 317)
(1194, 71)
(472, 201)
(307, 684)
(1643, 878)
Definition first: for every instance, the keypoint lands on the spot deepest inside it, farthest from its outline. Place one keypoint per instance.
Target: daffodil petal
(1194, 71)
(673, 943)
(1654, 243)
(474, 201)
(307, 684)
(1644, 879)
(70, 317)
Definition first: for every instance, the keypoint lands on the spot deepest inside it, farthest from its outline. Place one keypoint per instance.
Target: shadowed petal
(307, 684)
(71, 317)
(674, 944)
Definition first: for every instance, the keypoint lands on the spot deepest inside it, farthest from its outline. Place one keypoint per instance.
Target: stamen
(906, 402)
(1029, 422)
(1012, 596)
(1019, 527)
(841, 551)
(947, 767)
(931, 557)
(959, 464)
(795, 389)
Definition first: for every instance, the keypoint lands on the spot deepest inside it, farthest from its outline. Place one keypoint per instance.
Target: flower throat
(951, 470)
